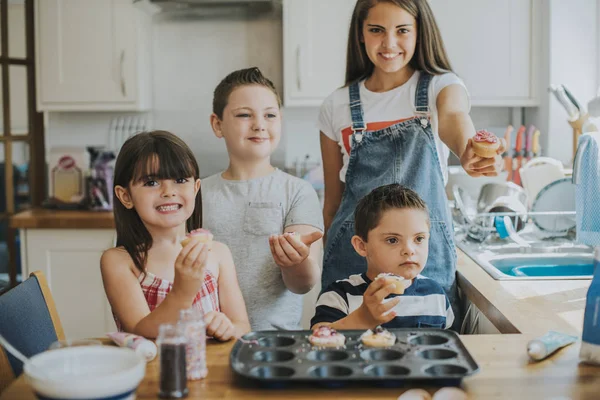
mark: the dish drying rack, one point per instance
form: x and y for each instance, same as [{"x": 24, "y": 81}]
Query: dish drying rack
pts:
[{"x": 484, "y": 224}]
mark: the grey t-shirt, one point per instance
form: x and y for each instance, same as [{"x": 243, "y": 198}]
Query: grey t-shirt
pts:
[{"x": 242, "y": 214}]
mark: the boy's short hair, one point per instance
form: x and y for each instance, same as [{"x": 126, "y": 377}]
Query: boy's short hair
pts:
[
  {"x": 241, "y": 77},
  {"x": 370, "y": 208}
]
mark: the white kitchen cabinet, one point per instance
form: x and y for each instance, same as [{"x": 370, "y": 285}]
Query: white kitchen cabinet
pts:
[
  {"x": 92, "y": 55},
  {"x": 70, "y": 259},
  {"x": 490, "y": 44},
  {"x": 494, "y": 47},
  {"x": 314, "y": 49}
]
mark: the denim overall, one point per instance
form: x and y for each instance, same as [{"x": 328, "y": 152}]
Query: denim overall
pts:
[{"x": 403, "y": 153}]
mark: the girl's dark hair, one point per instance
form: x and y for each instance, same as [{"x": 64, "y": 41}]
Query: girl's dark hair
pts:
[
  {"x": 241, "y": 77},
  {"x": 139, "y": 157},
  {"x": 430, "y": 55},
  {"x": 370, "y": 208}
]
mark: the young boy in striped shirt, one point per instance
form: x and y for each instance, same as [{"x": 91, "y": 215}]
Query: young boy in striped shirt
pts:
[{"x": 392, "y": 233}]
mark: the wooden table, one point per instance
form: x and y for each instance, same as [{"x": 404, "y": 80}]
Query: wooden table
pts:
[{"x": 505, "y": 373}]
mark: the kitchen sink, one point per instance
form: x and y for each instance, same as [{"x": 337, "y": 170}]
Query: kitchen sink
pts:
[{"x": 548, "y": 259}]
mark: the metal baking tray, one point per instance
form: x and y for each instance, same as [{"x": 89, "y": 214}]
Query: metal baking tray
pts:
[{"x": 432, "y": 356}]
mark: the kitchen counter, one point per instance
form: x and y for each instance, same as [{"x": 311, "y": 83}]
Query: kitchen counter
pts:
[
  {"x": 60, "y": 219},
  {"x": 505, "y": 374},
  {"x": 526, "y": 306}
]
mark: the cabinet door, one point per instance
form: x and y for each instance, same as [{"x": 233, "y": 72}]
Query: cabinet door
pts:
[
  {"x": 86, "y": 53},
  {"x": 489, "y": 43},
  {"x": 314, "y": 48},
  {"x": 70, "y": 259}
]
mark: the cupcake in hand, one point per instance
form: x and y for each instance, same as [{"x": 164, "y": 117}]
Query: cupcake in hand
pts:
[
  {"x": 485, "y": 144},
  {"x": 200, "y": 235}
]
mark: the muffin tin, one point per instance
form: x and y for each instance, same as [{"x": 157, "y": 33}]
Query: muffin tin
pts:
[{"x": 434, "y": 356}]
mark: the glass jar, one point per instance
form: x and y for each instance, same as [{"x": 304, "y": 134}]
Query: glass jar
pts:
[
  {"x": 172, "y": 343},
  {"x": 194, "y": 329}
]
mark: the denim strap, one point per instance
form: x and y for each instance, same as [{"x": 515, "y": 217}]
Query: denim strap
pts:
[
  {"x": 421, "y": 95},
  {"x": 356, "y": 110}
]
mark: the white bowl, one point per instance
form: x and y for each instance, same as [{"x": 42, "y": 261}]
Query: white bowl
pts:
[{"x": 88, "y": 372}]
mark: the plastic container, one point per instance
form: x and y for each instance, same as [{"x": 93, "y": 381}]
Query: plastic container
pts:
[{"x": 194, "y": 329}]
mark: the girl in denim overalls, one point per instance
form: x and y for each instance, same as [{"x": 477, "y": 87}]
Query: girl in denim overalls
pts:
[{"x": 393, "y": 121}]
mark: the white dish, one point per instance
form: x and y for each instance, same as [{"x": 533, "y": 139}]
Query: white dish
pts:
[
  {"x": 87, "y": 372},
  {"x": 556, "y": 196}
]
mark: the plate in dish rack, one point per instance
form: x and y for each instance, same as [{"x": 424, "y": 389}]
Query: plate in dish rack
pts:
[{"x": 555, "y": 196}]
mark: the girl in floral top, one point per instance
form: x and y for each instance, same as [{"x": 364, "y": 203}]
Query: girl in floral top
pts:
[{"x": 148, "y": 277}]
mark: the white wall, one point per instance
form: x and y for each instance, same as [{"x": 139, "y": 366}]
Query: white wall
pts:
[{"x": 572, "y": 58}]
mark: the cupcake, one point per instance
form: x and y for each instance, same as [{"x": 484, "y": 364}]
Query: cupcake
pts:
[
  {"x": 325, "y": 336},
  {"x": 201, "y": 235},
  {"x": 391, "y": 279},
  {"x": 378, "y": 338},
  {"x": 485, "y": 144}
]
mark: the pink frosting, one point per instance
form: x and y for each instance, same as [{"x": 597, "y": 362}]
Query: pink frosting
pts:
[
  {"x": 200, "y": 231},
  {"x": 485, "y": 136},
  {"x": 324, "y": 331}
]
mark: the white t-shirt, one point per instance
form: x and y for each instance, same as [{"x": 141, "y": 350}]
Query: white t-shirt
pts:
[{"x": 382, "y": 110}]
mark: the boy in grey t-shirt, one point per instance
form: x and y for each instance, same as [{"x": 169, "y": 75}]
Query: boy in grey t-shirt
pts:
[{"x": 254, "y": 208}]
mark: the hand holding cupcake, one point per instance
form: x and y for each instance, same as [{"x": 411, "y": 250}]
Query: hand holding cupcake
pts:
[{"x": 481, "y": 156}]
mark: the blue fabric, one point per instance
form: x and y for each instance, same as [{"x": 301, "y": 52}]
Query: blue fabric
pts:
[
  {"x": 356, "y": 110},
  {"x": 26, "y": 321},
  {"x": 403, "y": 153},
  {"x": 588, "y": 189}
]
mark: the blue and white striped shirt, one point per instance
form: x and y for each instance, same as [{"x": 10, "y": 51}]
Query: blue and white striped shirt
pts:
[{"x": 424, "y": 304}]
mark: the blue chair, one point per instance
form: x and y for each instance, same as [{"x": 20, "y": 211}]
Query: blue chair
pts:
[{"x": 29, "y": 321}]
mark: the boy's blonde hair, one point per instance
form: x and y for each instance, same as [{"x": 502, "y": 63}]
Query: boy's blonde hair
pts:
[{"x": 241, "y": 77}]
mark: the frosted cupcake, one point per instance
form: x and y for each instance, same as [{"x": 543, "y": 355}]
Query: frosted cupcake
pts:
[
  {"x": 200, "y": 235},
  {"x": 391, "y": 279},
  {"x": 378, "y": 338},
  {"x": 325, "y": 336}
]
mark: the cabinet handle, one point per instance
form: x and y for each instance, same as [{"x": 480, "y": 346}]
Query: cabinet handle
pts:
[
  {"x": 121, "y": 63},
  {"x": 298, "y": 70}
]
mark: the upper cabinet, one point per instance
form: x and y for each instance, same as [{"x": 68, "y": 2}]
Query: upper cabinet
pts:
[
  {"x": 314, "y": 49},
  {"x": 489, "y": 43},
  {"x": 92, "y": 55}
]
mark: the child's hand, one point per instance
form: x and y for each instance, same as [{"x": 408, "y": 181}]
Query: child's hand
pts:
[
  {"x": 288, "y": 250},
  {"x": 373, "y": 311},
  {"x": 189, "y": 269},
  {"x": 219, "y": 326},
  {"x": 478, "y": 166}
]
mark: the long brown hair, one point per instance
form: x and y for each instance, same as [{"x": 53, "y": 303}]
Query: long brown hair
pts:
[
  {"x": 430, "y": 55},
  {"x": 137, "y": 159}
]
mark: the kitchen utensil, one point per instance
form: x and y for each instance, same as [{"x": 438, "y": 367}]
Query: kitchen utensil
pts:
[
  {"x": 88, "y": 372},
  {"x": 572, "y": 99},
  {"x": 505, "y": 228},
  {"x": 490, "y": 192},
  {"x": 508, "y": 204},
  {"x": 507, "y": 156},
  {"x": 20, "y": 356},
  {"x": 538, "y": 173},
  {"x": 573, "y": 112},
  {"x": 429, "y": 356},
  {"x": 529, "y": 143},
  {"x": 518, "y": 157},
  {"x": 536, "y": 143},
  {"x": 556, "y": 196}
]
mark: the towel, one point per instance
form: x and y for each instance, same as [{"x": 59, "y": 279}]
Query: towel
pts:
[{"x": 588, "y": 189}]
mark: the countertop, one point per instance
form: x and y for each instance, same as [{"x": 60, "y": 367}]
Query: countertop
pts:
[
  {"x": 59, "y": 219},
  {"x": 505, "y": 373}
]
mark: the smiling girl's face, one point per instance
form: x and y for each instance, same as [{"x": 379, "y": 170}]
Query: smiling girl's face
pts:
[{"x": 390, "y": 37}]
